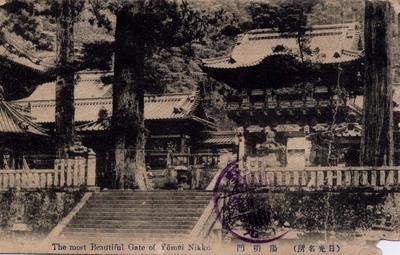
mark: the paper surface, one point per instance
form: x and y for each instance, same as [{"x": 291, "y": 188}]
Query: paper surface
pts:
[{"x": 199, "y": 127}]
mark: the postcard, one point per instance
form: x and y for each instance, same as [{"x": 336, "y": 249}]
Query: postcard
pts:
[{"x": 199, "y": 127}]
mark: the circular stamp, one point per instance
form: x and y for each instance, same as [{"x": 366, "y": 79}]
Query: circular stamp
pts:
[{"x": 245, "y": 207}]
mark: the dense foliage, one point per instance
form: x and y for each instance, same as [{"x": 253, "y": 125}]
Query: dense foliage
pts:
[
  {"x": 41, "y": 210},
  {"x": 268, "y": 214},
  {"x": 209, "y": 30}
]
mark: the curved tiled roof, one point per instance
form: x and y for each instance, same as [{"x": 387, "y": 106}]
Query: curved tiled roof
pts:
[
  {"x": 220, "y": 138},
  {"x": 92, "y": 96},
  {"x": 170, "y": 106},
  {"x": 98, "y": 125},
  {"x": 87, "y": 109},
  {"x": 13, "y": 50},
  {"x": 88, "y": 85},
  {"x": 156, "y": 107},
  {"x": 15, "y": 123},
  {"x": 330, "y": 43}
]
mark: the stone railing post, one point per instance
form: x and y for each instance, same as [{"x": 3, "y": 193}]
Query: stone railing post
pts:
[
  {"x": 91, "y": 170},
  {"x": 196, "y": 177},
  {"x": 240, "y": 141}
]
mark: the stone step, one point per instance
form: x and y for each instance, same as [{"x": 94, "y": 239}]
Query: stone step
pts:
[
  {"x": 135, "y": 214},
  {"x": 158, "y": 194},
  {"x": 141, "y": 211},
  {"x": 164, "y": 204},
  {"x": 164, "y": 197},
  {"x": 147, "y": 214},
  {"x": 152, "y": 199},
  {"x": 126, "y": 231},
  {"x": 133, "y": 225},
  {"x": 96, "y": 205},
  {"x": 154, "y": 193},
  {"x": 136, "y": 220},
  {"x": 78, "y": 236},
  {"x": 115, "y": 219}
]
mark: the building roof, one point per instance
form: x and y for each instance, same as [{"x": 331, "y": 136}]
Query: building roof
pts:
[
  {"x": 336, "y": 43},
  {"x": 12, "y": 49},
  {"x": 220, "y": 138},
  {"x": 96, "y": 125},
  {"x": 170, "y": 106},
  {"x": 89, "y": 85},
  {"x": 93, "y": 95},
  {"x": 14, "y": 123}
]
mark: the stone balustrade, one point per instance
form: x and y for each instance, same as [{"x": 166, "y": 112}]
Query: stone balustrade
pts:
[
  {"x": 67, "y": 173},
  {"x": 325, "y": 177}
]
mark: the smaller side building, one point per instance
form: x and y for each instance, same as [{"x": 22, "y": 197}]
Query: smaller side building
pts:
[
  {"x": 21, "y": 140},
  {"x": 177, "y": 123}
]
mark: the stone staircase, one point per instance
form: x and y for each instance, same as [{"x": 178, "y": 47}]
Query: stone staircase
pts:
[{"x": 138, "y": 215}]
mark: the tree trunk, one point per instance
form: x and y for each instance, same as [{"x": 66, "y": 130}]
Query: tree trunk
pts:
[
  {"x": 128, "y": 101},
  {"x": 300, "y": 34},
  {"x": 377, "y": 139},
  {"x": 65, "y": 109}
]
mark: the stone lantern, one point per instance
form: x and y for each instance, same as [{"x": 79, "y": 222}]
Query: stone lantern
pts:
[{"x": 18, "y": 227}]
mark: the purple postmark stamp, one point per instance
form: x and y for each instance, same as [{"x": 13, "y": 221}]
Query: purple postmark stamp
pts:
[{"x": 245, "y": 207}]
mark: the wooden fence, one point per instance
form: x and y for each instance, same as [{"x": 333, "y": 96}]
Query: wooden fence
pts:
[
  {"x": 326, "y": 177},
  {"x": 73, "y": 173}
]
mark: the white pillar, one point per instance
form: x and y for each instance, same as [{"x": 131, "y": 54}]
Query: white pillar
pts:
[{"x": 91, "y": 169}]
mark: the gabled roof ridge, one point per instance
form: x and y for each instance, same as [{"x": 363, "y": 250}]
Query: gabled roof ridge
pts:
[
  {"x": 179, "y": 106},
  {"x": 257, "y": 45}
]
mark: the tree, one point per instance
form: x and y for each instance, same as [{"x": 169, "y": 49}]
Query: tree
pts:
[
  {"x": 287, "y": 17},
  {"x": 142, "y": 28},
  {"x": 21, "y": 33},
  {"x": 128, "y": 98},
  {"x": 377, "y": 138},
  {"x": 65, "y": 108},
  {"x": 22, "y": 20}
]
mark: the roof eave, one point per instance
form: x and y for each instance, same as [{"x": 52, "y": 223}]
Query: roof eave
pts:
[{"x": 257, "y": 63}]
